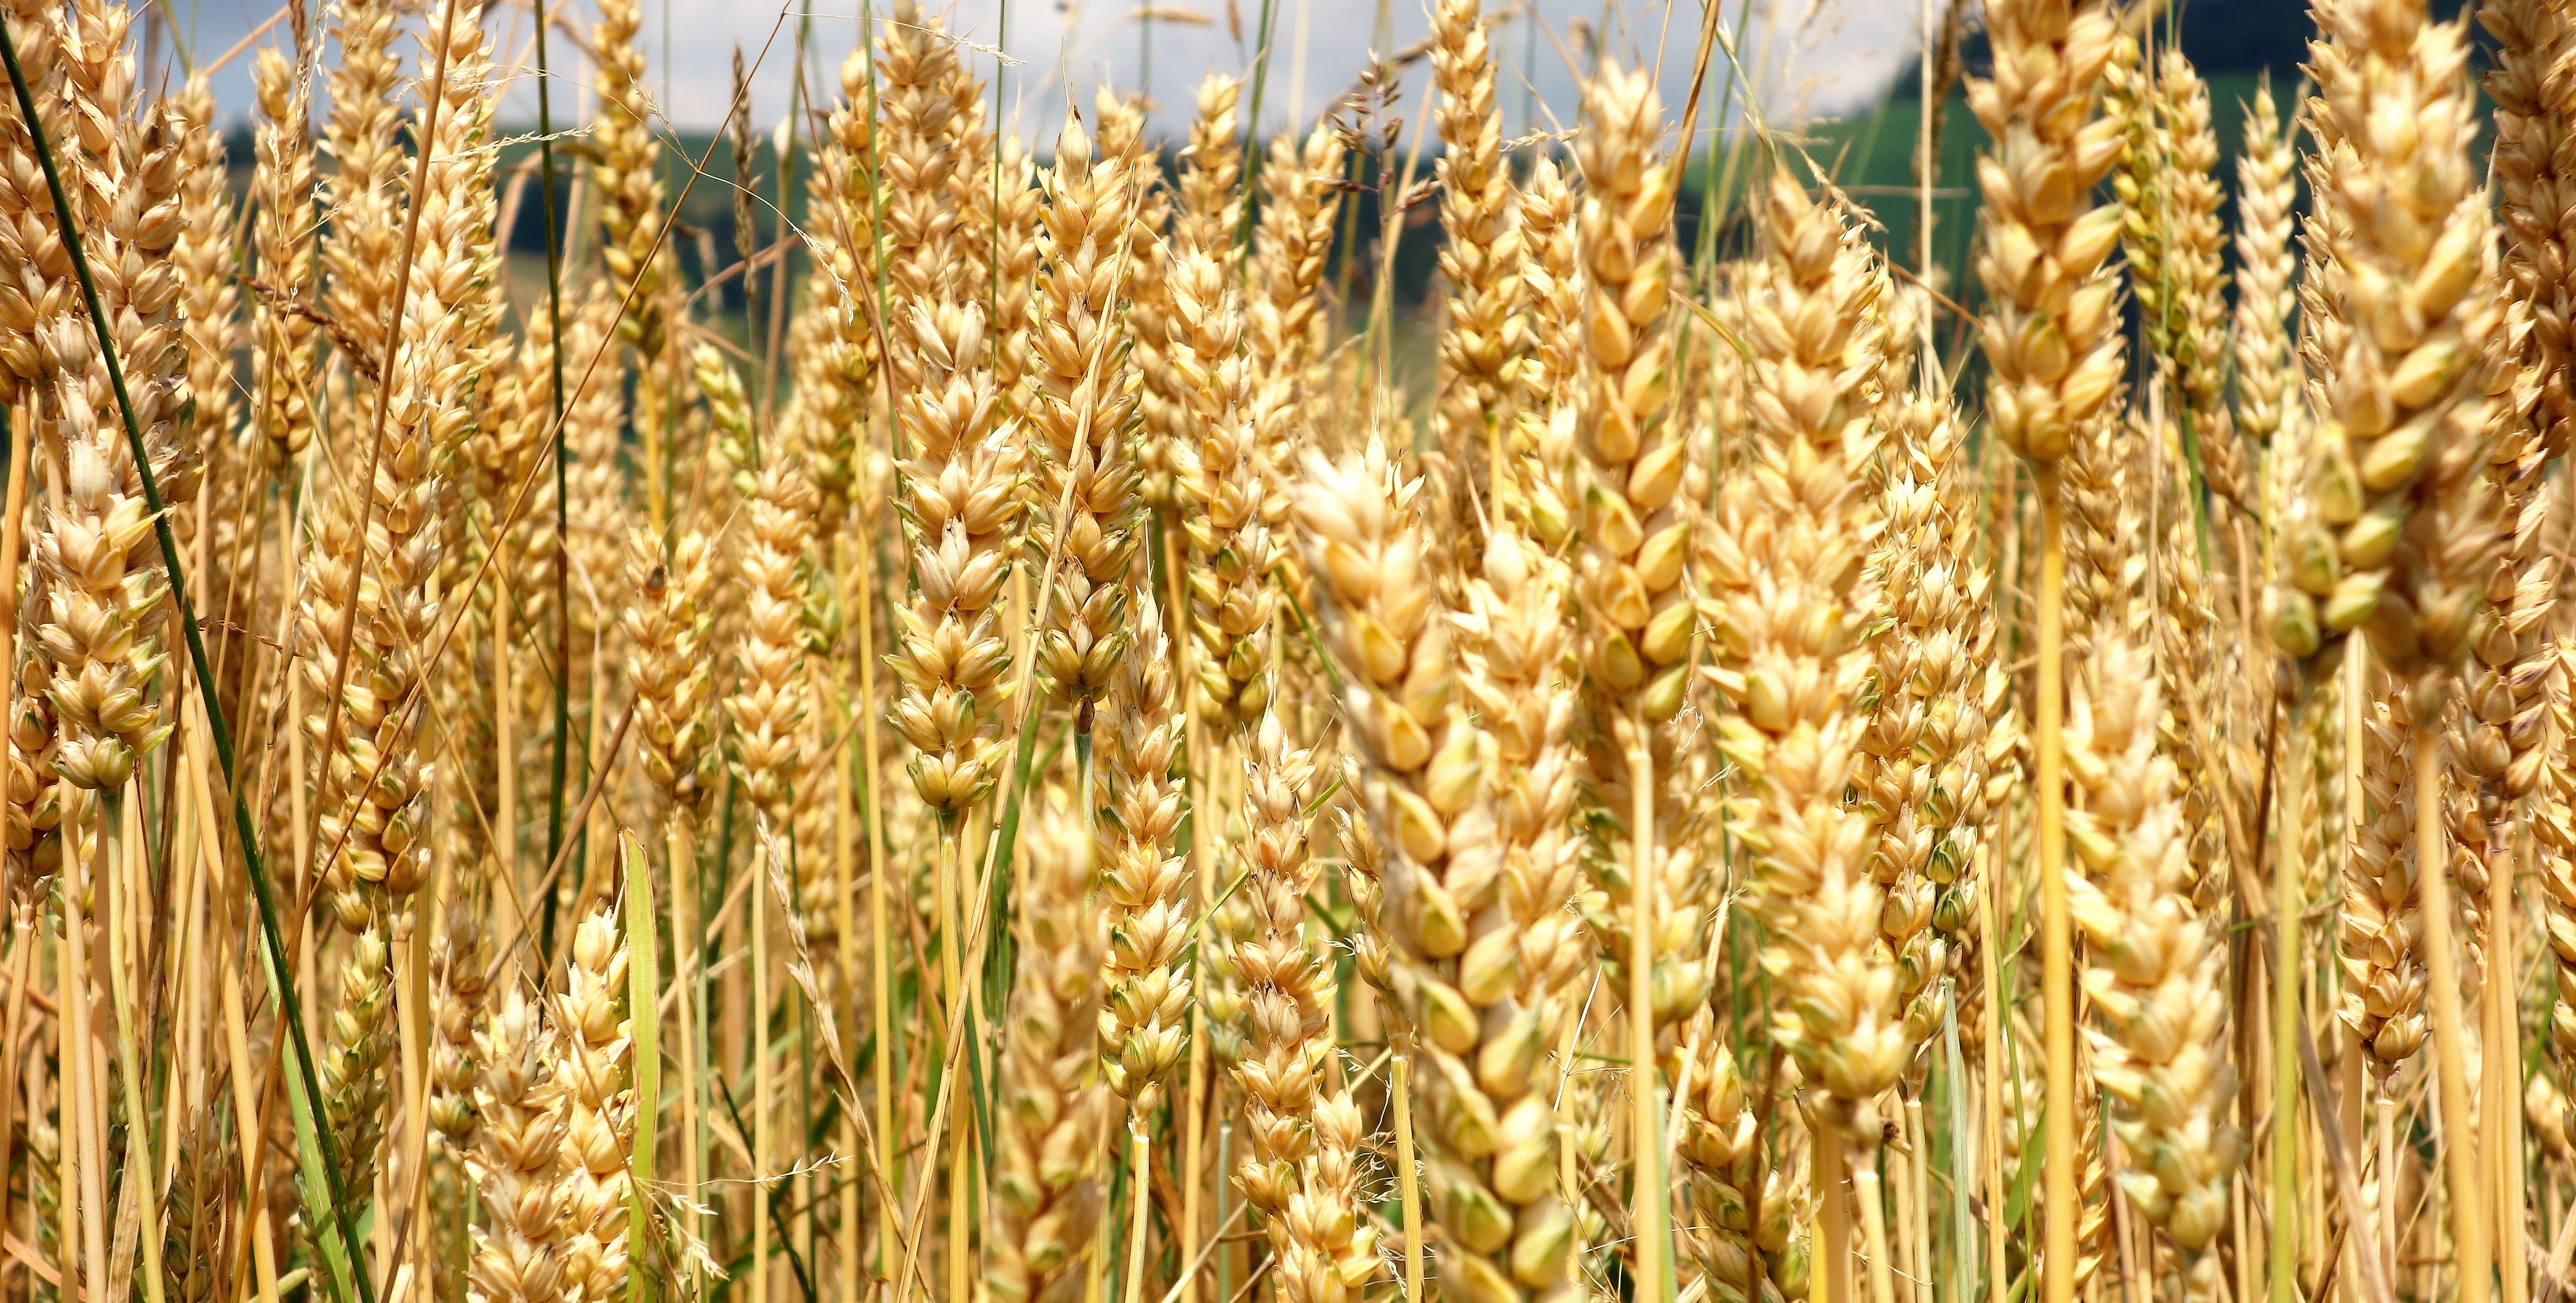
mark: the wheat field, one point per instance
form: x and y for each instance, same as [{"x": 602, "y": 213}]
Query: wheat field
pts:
[{"x": 993, "y": 745}]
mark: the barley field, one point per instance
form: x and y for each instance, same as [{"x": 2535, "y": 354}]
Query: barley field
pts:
[{"x": 1042, "y": 730}]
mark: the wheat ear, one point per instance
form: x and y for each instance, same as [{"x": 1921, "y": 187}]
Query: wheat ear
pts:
[
  {"x": 594, "y": 1107},
  {"x": 2267, "y": 186},
  {"x": 1486, "y": 331},
  {"x": 1218, "y": 463},
  {"x": 772, "y": 695},
  {"x": 517, "y": 1162},
  {"x": 1083, "y": 403},
  {"x": 1145, "y": 884},
  {"x": 1046, "y": 1179},
  {"x": 2153, "y": 964}
]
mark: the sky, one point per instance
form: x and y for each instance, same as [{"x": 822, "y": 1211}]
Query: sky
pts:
[{"x": 1821, "y": 56}]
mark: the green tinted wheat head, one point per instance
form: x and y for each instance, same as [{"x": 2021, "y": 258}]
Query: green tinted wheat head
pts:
[
  {"x": 2401, "y": 396},
  {"x": 353, "y": 1058},
  {"x": 1551, "y": 288},
  {"x": 460, "y": 975},
  {"x": 1046, "y": 1190},
  {"x": 1722, "y": 1153},
  {"x": 1489, "y": 1076},
  {"x": 2177, "y": 266}
]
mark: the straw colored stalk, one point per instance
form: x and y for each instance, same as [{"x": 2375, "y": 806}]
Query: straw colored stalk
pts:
[
  {"x": 1218, "y": 461},
  {"x": 2154, "y": 967},
  {"x": 1485, "y": 331},
  {"x": 1084, "y": 399},
  {"x": 1046, "y": 1180}
]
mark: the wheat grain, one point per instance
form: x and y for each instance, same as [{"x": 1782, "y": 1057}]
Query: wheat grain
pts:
[{"x": 1144, "y": 883}]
